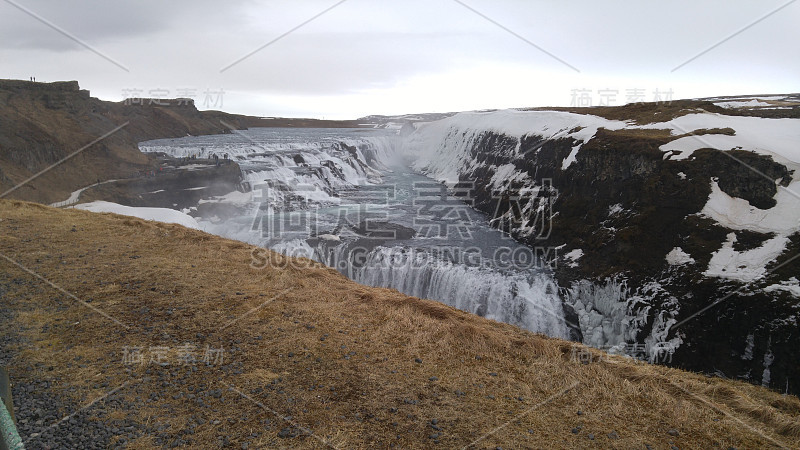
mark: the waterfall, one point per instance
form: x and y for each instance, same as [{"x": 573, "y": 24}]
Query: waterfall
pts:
[
  {"x": 285, "y": 166},
  {"x": 528, "y": 300},
  {"x": 314, "y": 175}
]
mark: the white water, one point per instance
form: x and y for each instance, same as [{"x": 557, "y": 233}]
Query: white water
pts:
[
  {"x": 313, "y": 165},
  {"x": 527, "y": 300},
  {"x": 609, "y": 316},
  {"x": 321, "y": 172}
]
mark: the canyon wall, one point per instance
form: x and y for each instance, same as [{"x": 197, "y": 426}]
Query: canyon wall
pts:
[{"x": 674, "y": 234}]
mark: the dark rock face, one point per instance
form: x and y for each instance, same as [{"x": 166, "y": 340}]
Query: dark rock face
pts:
[
  {"x": 743, "y": 174},
  {"x": 626, "y": 207},
  {"x": 173, "y": 188}
]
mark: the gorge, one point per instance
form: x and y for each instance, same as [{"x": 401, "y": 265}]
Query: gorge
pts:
[
  {"x": 666, "y": 232},
  {"x": 669, "y": 239}
]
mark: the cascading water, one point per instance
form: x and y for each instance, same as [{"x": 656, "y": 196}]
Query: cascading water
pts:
[
  {"x": 527, "y": 300},
  {"x": 315, "y": 196}
]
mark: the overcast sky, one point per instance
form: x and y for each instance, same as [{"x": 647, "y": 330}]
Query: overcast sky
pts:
[{"x": 389, "y": 57}]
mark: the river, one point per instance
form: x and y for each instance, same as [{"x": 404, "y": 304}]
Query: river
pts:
[{"x": 344, "y": 197}]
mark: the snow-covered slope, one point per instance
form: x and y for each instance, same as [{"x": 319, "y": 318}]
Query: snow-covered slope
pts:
[
  {"x": 443, "y": 149},
  {"x": 165, "y": 215},
  {"x": 775, "y": 137}
]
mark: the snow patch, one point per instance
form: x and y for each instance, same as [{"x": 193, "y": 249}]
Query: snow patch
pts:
[
  {"x": 738, "y": 214},
  {"x": 505, "y": 174},
  {"x": 769, "y": 358},
  {"x": 164, "y": 215},
  {"x": 791, "y": 286},
  {"x": 615, "y": 209},
  {"x": 745, "y": 266},
  {"x": 747, "y": 104},
  {"x": 748, "y": 350},
  {"x": 573, "y": 257},
  {"x": 678, "y": 257},
  {"x": 775, "y": 137},
  {"x": 572, "y": 157},
  {"x": 748, "y": 97}
]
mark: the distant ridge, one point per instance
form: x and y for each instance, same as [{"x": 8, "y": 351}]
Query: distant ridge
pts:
[{"x": 42, "y": 123}]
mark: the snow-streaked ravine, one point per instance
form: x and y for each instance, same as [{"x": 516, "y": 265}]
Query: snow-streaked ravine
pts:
[
  {"x": 610, "y": 314},
  {"x": 444, "y": 150}
]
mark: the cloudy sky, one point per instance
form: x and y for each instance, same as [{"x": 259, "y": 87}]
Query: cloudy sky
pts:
[{"x": 347, "y": 59}]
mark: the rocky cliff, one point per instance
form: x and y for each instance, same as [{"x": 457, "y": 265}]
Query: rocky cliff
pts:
[{"x": 674, "y": 231}]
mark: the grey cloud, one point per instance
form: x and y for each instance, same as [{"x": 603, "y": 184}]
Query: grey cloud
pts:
[
  {"x": 97, "y": 22},
  {"x": 366, "y": 46}
]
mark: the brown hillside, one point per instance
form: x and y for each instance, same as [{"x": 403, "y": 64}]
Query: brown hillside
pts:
[
  {"x": 312, "y": 359},
  {"x": 42, "y": 123},
  {"x": 653, "y": 112}
]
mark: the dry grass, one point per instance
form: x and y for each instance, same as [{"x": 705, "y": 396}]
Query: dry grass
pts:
[
  {"x": 665, "y": 135},
  {"x": 641, "y": 113},
  {"x": 171, "y": 285}
]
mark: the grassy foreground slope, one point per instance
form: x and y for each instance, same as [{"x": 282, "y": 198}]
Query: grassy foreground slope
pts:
[{"x": 312, "y": 359}]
